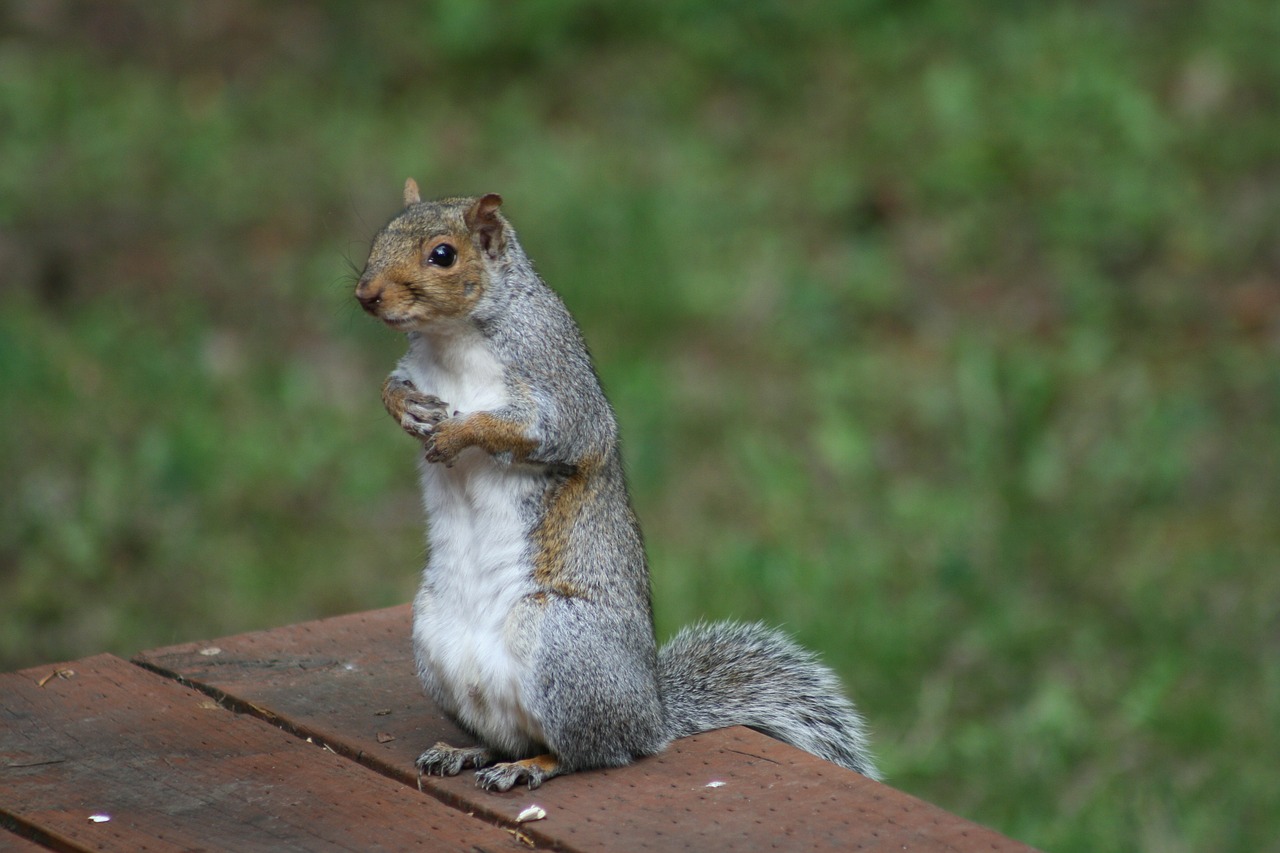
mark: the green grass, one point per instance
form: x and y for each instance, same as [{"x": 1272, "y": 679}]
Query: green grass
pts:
[{"x": 948, "y": 339}]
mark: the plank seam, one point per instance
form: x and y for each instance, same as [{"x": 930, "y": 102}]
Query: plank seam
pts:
[
  {"x": 302, "y": 732},
  {"x": 27, "y": 831}
]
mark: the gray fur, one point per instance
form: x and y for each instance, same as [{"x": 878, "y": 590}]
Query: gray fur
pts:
[
  {"x": 729, "y": 674},
  {"x": 598, "y": 687}
]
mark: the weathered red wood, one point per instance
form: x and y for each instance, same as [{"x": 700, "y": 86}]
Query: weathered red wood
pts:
[
  {"x": 172, "y": 769},
  {"x": 11, "y": 843},
  {"x": 349, "y": 683}
]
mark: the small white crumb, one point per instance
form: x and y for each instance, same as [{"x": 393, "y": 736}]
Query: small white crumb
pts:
[
  {"x": 211, "y": 651},
  {"x": 99, "y": 818},
  {"x": 715, "y": 785},
  {"x": 531, "y": 813}
]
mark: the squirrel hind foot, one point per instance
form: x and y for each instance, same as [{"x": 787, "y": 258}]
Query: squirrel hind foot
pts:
[
  {"x": 445, "y": 760},
  {"x": 505, "y": 776}
]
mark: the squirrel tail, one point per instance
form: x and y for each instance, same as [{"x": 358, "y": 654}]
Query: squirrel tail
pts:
[{"x": 730, "y": 674}]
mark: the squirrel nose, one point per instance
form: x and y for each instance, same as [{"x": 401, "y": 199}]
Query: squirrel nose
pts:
[{"x": 368, "y": 298}]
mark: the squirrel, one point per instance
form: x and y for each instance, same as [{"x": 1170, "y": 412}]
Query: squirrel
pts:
[{"x": 533, "y": 625}]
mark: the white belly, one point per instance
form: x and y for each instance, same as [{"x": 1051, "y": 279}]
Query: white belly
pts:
[
  {"x": 480, "y": 562},
  {"x": 479, "y": 569}
]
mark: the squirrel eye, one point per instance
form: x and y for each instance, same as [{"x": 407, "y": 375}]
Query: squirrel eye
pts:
[{"x": 443, "y": 255}]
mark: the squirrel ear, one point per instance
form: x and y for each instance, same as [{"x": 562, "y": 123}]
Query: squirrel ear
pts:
[
  {"x": 411, "y": 194},
  {"x": 483, "y": 220}
]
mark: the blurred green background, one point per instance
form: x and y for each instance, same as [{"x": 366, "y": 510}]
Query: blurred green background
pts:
[{"x": 945, "y": 335}]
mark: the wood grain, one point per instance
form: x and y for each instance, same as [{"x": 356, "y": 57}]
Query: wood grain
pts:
[
  {"x": 349, "y": 682},
  {"x": 170, "y": 769}
]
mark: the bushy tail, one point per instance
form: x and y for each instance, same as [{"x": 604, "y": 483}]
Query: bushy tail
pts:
[{"x": 729, "y": 674}]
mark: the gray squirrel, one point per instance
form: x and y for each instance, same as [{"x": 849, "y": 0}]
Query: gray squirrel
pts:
[{"x": 533, "y": 625}]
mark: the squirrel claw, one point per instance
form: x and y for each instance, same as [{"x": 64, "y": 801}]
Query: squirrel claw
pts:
[
  {"x": 435, "y": 454},
  {"x": 506, "y": 775},
  {"x": 503, "y": 777},
  {"x": 442, "y": 445},
  {"x": 445, "y": 760},
  {"x": 422, "y": 414}
]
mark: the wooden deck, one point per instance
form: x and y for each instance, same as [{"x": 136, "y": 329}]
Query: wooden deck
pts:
[{"x": 303, "y": 738}]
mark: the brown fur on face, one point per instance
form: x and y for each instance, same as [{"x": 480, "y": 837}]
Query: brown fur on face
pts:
[{"x": 404, "y": 287}]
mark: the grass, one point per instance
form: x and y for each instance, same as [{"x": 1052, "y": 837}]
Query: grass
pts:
[{"x": 946, "y": 338}]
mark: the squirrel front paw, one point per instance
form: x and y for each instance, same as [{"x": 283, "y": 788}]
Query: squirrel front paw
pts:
[
  {"x": 416, "y": 412},
  {"x": 422, "y": 414},
  {"x": 445, "y": 441}
]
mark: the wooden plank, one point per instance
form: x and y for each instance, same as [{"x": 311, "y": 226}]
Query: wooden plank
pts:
[
  {"x": 101, "y": 754},
  {"x": 10, "y": 842},
  {"x": 349, "y": 682}
]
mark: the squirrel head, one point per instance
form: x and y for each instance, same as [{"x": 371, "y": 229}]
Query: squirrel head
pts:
[{"x": 432, "y": 262}]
